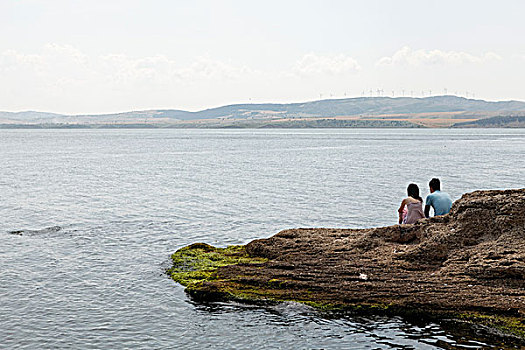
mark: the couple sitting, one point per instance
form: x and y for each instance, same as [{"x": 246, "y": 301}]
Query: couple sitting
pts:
[{"x": 411, "y": 209}]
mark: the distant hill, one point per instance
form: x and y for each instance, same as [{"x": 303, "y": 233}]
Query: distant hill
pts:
[
  {"x": 359, "y": 106},
  {"x": 494, "y": 122},
  {"x": 28, "y": 116},
  {"x": 443, "y": 109},
  {"x": 134, "y": 116}
]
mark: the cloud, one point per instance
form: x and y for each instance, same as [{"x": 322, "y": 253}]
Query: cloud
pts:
[
  {"x": 421, "y": 57},
  {"x": 53, "y": 56},
  {"x": 207, "y": 68},
  {"x": 162, "y": 69},
  {"x": 314, "y": 64},
  {"x": 11, "y": 58},
  {"x": 66, "y": 51},
  {"x": 124, "y": 70},
  {"x": 59, "y": 69},
  {"x": 519, "y": 57},
  {"x": 62, "y": 75},
  {"x": 56, "y": 65}
]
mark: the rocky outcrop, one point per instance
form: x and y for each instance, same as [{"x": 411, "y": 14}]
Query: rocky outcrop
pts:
[{"x": 468, "y": 264}]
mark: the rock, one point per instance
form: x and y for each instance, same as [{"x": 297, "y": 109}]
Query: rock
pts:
[
  {"x": 469, "y": 265},
  {"x": 46, "y": 230}
]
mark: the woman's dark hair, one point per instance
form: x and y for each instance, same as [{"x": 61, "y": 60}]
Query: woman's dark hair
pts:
[{"x": 413, "y": 191}]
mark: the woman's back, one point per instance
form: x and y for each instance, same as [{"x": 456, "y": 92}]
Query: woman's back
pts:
[
  {"x": 414, "y": 212},
  {"x": 411, "y": 209}
]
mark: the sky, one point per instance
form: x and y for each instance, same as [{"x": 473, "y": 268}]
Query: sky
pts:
[{"x": 105, "y": 56}]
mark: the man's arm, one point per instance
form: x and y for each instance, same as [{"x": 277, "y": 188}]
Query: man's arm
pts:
[{"x": 428, "y": 204}]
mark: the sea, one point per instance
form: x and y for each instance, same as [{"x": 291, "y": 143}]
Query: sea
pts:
[{"x": 89, "y": 218}]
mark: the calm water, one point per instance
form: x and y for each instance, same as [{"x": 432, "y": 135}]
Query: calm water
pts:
[{"x": 103, "y": 210}]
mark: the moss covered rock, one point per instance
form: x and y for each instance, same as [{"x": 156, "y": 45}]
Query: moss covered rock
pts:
[{"x": 468, "y": 265}]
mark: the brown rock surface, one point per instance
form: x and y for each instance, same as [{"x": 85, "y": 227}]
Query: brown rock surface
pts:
[{"x": 471, "y": 260}]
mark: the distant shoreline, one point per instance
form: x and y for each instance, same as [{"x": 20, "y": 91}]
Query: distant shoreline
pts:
[
  {"x": 518, "y": 125},
  {"x": 364, "y": 112}
]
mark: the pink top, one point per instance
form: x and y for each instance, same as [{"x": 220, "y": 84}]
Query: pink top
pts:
[{"x": 414, "y": 212}]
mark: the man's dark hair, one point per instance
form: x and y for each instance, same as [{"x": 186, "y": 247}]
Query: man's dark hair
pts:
[{"x": 435, "y": 184}]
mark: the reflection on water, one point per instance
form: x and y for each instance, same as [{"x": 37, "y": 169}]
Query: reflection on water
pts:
[
  {"x": 343, "y": 330},
  {"x": 90, "y": 217}
]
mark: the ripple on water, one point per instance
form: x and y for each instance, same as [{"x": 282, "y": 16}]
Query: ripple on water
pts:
[{"x": 83, "y": 244}]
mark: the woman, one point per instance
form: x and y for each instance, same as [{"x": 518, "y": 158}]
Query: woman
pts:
[{"x": 411, "y": 209}]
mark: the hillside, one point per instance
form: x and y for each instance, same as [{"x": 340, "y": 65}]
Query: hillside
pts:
[
  {"x": 437, "y": 111},
  {"x": 360, "y": 106},
  {"x": 510, "y": 121}
]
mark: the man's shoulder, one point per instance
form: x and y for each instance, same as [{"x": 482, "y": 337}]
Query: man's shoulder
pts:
[
  {"x": 445, "y": 194},
  {"x": 430, "y": 198}
]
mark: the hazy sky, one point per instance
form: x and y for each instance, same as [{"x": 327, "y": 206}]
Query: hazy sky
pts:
[{"x": 97, "y": 56}]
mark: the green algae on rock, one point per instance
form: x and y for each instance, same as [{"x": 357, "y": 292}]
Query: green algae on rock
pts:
[
  {"x": 198, "y": 262},
  {"x": 505, "y": 324},
  {"x": 468, "y": 266}
]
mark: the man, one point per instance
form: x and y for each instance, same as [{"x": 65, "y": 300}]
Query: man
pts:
[{"x": 439, "y": 201}]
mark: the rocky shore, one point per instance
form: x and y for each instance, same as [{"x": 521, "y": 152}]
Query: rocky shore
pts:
[{"x": 468, "y": 266}]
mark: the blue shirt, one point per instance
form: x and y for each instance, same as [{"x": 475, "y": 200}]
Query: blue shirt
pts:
[{"x": 440, "y": 201}]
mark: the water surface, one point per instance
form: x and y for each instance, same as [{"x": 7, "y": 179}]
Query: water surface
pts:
[{"x": 101, "y": 211}]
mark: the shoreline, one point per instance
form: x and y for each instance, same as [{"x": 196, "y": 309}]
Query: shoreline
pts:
[{"x": 464, "y": 267}]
